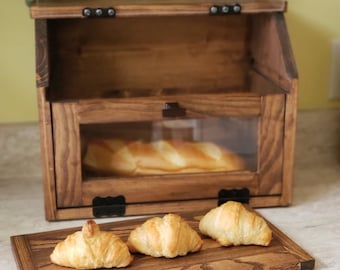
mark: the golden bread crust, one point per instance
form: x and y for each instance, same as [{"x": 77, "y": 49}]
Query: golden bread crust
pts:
[
  {"x": 232, "y": 224},
  {"x": 129, "y": 158},
  {"x": 91, "y": 248},
  {"x": 169, "y": 237}
]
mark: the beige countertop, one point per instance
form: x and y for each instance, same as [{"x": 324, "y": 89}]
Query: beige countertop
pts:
[{"x": 312, "y": 221}]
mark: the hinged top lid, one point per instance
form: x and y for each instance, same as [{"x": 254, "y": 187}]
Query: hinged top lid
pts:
[{"x": 75, "y": 8}]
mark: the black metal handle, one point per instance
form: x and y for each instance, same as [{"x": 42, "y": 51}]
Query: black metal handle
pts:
[
  {"x": 108, "y": 206},
  {"x": 173, "y": 109},
  {"x": 240, "y": 195}
]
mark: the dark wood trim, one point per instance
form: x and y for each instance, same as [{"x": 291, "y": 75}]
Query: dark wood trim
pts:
[
  {"x": 73, "y": 9},
  {"x": 42, "y": 55}
]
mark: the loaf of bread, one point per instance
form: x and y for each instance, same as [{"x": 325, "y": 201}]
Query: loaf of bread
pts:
[
  {"x": 169, "y": 237},
  {"x": 129, "y": 158},
  {"x": 91, "y": 248},
  {"x": 232, "y": 224}
]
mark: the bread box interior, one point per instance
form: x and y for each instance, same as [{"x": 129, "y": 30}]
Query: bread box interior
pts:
[{"x": 138, "y": 107}]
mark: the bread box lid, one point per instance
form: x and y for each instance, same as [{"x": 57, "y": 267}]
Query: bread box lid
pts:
[{"x": 48, "y": 9}]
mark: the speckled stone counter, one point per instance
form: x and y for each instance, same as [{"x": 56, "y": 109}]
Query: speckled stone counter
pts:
[{"x": 312, "y": 221}]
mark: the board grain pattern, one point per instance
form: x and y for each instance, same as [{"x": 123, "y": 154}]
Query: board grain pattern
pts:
[{"x": 32, "y": 251}]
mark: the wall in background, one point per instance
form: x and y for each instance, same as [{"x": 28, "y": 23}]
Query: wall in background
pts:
[
  {"x": 312, "y": 25},
  {"x": 17, "y": 71}
]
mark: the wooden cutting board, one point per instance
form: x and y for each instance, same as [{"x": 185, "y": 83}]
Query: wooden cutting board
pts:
[{"x": 32, "y": 251}]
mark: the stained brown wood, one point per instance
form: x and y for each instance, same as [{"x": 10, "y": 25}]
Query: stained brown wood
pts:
[
  {"x": 80, "y": 191},
  {"x": 289, "y": 145},
  {"x": 47, "y": 154},
  {"x": 141, "y": 109},
  {"x": 168, "y": 188},
  {"x": 67, "y": 155},
  {"x": 73, "y": 9},
  {"x": 274, "y": 58},
  {"x": 141, "y": 57},
  {"x": 42, "y": 55},
  {"x": 107, "y": 78},
  {"x": 152, "y": 208},
  {"x": 271, "y": 144},
  {"x": 32, "y": 251}
]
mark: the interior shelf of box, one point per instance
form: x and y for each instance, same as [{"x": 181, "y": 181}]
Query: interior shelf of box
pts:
[{"x": 75, "y": 8}]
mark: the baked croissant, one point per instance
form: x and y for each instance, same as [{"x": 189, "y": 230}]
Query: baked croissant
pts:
[
  {"x": 129, "y": 158},
  {"x": 232, "y": 224},
  {"x": 168, "y": 237},
  {"x": 91, "y": 248}
]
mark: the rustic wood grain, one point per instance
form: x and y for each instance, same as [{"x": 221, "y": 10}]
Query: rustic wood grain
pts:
[
  {"x": 271, "y": 49},
  {"x": 168, "y": 188},
  {"x": 47, "y": 153},
  {"x": 22, "y": 251},
  {"x": 139, "y": 56},
  {"x": 275, "y": 60},
  {"x": 271, "y": 144},
  {"x": 68, "y": 116},
  {"x": 152, "y": 208},
  {"x": 73, "y": 9},
  {"x": 289, "y": 145},
  {"x": 282, "y": 253},
  {"x": 42, "y": 55},
  {"x": 150, "y": 109},
  {"x": 108, "y": 71},
  {"x": 67, "y": 155}
]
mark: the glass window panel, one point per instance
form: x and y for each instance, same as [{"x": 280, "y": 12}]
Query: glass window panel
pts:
[{"x": 169, "y": 146}]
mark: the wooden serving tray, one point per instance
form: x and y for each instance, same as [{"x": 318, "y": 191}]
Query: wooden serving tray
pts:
[{"x": 32, "y": 251}]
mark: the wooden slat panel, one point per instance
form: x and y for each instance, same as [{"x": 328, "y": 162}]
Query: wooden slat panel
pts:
[
  {"x": 168, "y": 188},
  {"x": 42, "y": 57},
  {"x": 73, "y": 9},
  {"x": 22, "y": 252},
  {"x": 165, "y": 207},
  {"x": 289, "y": 145},
  {"x": 139, "y": 109},
  {"x": 193, "y": 53},
  {"x": 271, "y": 144},
  {"x": 47, "y": 154},
  {"x": 67, "y": 154}
]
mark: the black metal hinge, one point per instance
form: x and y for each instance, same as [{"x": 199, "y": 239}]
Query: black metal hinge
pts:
[
  {"x": 239, "y": 195},
  {"x": 108, "y": 206},
  {"x": 99, "y": 12},
  {"x": 225, "y": 9}
]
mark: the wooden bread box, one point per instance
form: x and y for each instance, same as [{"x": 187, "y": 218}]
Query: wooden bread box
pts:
[{"x": 211, "y": 73}]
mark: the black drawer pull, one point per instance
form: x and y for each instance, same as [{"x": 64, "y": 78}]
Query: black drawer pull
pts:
[
  {"x": 108, "y": 206},
  {"x": 172, "y": 109}
]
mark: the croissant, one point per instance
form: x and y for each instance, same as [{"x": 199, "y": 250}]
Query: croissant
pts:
[
  {"x": 232, "y": 224},
  {"x": 91, "y": 248},
  {"x": 168, "y": 237},
  {"x": 130, "y": 158}
]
